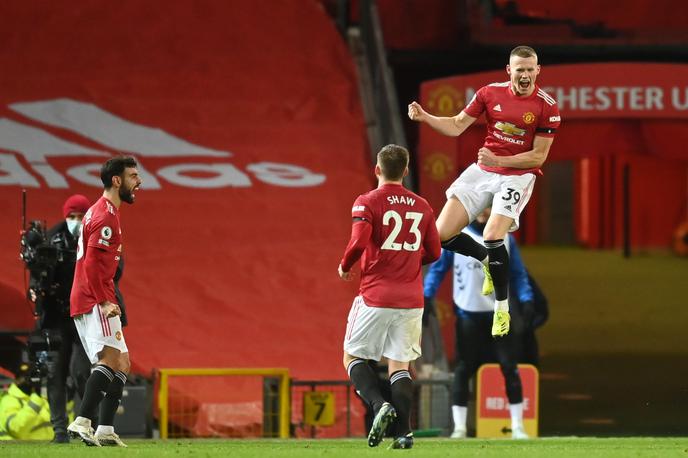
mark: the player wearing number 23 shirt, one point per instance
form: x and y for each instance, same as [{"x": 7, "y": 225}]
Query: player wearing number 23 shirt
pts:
[{"x": 393, "y": 234}]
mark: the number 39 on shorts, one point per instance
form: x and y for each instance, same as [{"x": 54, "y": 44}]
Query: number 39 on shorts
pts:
[
  {"x": 394, "y": 219},
  {"x": 512, "y": 194}
]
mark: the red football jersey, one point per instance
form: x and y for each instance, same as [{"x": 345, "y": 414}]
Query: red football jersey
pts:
[
  {"x": 97, "y": 256},
  {"x": 402, "y": 238},
  {"x": 513, "y": 121}
]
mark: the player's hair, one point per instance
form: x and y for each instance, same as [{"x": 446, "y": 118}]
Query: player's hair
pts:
[
  {"x": 115, "y": 168},
  {"x": 393, "y": 160},
  {"x": 523, "y": 51}
]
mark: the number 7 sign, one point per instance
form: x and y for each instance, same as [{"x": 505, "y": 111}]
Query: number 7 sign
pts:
[{"x": 318, "y": 408}]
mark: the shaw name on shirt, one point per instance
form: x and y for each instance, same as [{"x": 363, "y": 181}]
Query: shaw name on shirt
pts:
[{"x": 401, "y": 200}]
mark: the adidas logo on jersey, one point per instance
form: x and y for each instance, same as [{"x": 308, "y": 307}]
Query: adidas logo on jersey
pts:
[
  {"x": 498, "y": 107},
  {"x": 507, "y": 207}
]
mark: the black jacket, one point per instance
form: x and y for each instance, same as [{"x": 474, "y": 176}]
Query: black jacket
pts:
[{"x": 54, "y": 286}]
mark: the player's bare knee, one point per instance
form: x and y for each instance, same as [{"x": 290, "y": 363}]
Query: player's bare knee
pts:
[
  {"x": 493, "y": 235},
  {"x": 446, "y": 234},
  {"x": 394, "y": 366},
  {"x": 447, "y": 229},
  {"x": 497, "y": 227},
  {"x": 452, "y": 219},
  {"x": 109, "y": 357},
  {"x": 346, "y": 360},
  {"x": 109, "y": 362},
  {"x": 124, "y": 365}
]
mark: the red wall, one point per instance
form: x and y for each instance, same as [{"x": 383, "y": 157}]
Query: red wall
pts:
[{"x": 657, "y": 195}]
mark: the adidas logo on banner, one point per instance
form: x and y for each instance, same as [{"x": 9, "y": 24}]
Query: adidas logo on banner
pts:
[
  {"x": 498, "y": 107},
  {"x": 36, "y": 144}
]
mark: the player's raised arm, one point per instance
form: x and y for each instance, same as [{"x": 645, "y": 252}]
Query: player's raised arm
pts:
[{"x": 452, "y": 126}]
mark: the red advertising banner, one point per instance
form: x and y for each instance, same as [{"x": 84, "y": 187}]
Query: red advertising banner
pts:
[
  {"x": 492, "y": 414},
  {"x": 248, "y": 173},
  {"x": 605, "y": 90},
  {"x": 248, "y": 177}
]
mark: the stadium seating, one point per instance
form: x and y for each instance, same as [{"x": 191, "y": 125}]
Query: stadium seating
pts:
[
  {"x": 246, "y": 120},
  {"x": 447, "y": 24}
]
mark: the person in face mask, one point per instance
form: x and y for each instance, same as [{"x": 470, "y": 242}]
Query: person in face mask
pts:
[{"x": 68, "y": 367}]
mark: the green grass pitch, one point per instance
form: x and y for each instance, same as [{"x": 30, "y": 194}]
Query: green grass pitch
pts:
[{"x": 348, "y": 448}]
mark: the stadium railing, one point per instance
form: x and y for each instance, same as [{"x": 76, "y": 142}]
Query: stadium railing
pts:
[
  {"x": 195, "y": 387},
  {"x": 265, "y": 402}
]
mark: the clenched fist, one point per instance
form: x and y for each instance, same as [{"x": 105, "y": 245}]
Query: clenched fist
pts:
[
  {"x": 487, "y": 158},
  {"x": 416, "y": 112}
]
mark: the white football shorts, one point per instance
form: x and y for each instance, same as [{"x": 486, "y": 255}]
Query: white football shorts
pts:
[
  {"x": 374, "y": 332},
  {"x": 97, "y": 331},
  {"x": 476, "y": 189}
]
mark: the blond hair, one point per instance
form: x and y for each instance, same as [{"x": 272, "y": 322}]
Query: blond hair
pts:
[{"x": 523, "y": 51}]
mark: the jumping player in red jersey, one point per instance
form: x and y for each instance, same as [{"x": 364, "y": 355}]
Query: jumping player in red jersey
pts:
[
  {"x": 93, "y": 303},
  {"x": 521, "y": 122},
  {"x": 394, "y": 234}
]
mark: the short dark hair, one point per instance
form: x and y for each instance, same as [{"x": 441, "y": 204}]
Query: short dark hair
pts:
[
  {"x": 393, "y": 160},
  {"x": 523, "y": 51},
  {"x": 115, "y": 167}
]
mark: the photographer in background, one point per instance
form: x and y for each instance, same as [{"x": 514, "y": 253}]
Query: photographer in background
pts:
[{"x": 50, "y": 287}]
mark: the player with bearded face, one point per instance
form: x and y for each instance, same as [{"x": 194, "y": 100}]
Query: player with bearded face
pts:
[{"x": 94, "y": 305}]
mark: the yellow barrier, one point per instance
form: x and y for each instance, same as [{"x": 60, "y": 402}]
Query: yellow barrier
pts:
[{"x": 283, "y": 374}]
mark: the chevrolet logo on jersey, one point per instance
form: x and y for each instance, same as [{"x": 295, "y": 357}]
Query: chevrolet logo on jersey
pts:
[{"x": 509, "y": 128}]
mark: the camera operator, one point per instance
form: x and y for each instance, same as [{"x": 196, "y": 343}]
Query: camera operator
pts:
[{"x": 50, "y": 288}]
